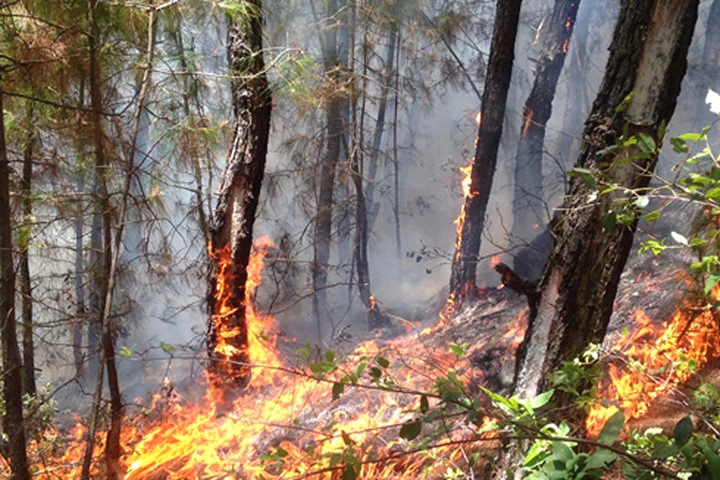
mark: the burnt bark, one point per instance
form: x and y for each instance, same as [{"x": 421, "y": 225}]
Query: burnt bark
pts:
[
  {"x": 335, "y": 104},
  {"x": 28, "y": 351},
  {"x": 529, "y": 209},
  {"x": 497, "y": 82},
  {"x": 648, "y": 58},
  {"x": 231, "y": 232},
  {"x": 13, "y": 422}
]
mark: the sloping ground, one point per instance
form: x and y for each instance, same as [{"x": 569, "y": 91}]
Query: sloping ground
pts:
[{"x": 313, "y": 418}]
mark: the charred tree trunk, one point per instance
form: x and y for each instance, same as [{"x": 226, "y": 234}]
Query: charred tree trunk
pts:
[
  {"x": 472, "y": 215},
  {"x": 28, "y": 353},
  {"x": 232, "y": 230},
  {"x": 529, "y": 209},
  {"x": 647, "y": 59},
  {"x": 13, "y": 424},
  {"x": 335, "y": 129}
]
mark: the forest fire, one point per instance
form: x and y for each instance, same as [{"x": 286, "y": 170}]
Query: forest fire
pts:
[
  {"x": 654, "y": 361},
  {"x": 295, "y": 419}
]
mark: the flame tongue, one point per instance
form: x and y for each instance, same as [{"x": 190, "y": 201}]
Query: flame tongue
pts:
[{"x": 656, "y": 355}]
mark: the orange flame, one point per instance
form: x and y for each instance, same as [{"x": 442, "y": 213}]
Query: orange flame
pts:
[{"x": 653, "y": 355}]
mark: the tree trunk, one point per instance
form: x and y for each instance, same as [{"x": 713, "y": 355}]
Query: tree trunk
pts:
[
  {"x": 80, "y": 312},
  {"x": 529, "y": 208},
  {"x": 576, "y": 89},
  {"x": 472, "y": 215},
  {"x": 388, "y": 77},
  {"x": 232, "y": 230},
  {"x": 13, "y": 424},
  {"x": 105, "y": 278},
  {"x": 28, "y": 352},
  {"x": 335, "y": 129},
  {"x": 647, "y": 58}
]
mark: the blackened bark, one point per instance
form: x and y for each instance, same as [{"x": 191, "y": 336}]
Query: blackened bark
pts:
[
  {"x": 232, "y": 230},
  {"x": 497, "y": 82},
  {"x": 13, "y": 424},
  {"x": 648, "y": 58},
  {"x": 334, "y": 106},
  {"x": 28, "y": 351},
  {"x": 529, "y": 209}
]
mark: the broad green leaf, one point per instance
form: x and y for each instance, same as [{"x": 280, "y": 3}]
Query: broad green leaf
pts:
[
  {"x": 652, "y": 216},
  {"x": 610, "y": 221},
  {"x": 646, "y": 142},
  {"x": 541, "y": 399},
  {"x": 679, "y": 145},
  {"x": 349, "y": 473},
  {"x": 612, "y": 428},
  {"x": 424, "y": 404},
  {"x": 562, "y": 452},
  {"x": 692, "y": 137},
  {"x": 683, "y": 431},
  {"x": 712, "y": 280},
  {"x": 383, "y": 362},
  {"x": 410, "y": 430},
  {"x": 713, "y": 194},
  {"x": 602, "y": 458},
  {"x": 337, "y": 389}
]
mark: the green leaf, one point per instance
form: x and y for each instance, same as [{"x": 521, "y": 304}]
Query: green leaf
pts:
[
  {"x": 337, "y": 390},
  {"x": 713, "y": 194},
  {"x": 541, "y": 399},
  {"x": 126, "y": 351},
  {"x": 167, "y": 348},
  {"x": 330, "y": 356},
  {"x": 601, "y": 459},
  {"x": 610, "y": 221},
  {"x": 383, "y": 362},
  {"x": 712, "y": 280},
  {"x": 562, "y": 452},
  {"x": 692, "y": 137},
  {"x": 679, "y": 145},
  {"x": 612, "y": 428},
  {"x": 410, "y": 430},
  {"x": 646, "y": 142},
  {"x": 625, "y": 103},
  {"x": 424, "y": 404},
  {"x": 652, "y": 216},
  {"x": 349, "y": 473},
  {"x": 683, "y": 431}
]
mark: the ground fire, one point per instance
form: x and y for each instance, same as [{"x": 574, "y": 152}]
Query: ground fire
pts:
[{"x": 309, "y": 418}]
